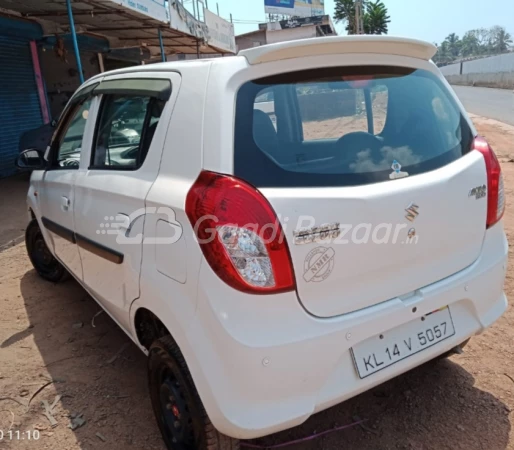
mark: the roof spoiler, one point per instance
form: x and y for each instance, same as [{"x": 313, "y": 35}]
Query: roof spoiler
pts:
[{"x": 385, "y": 45}]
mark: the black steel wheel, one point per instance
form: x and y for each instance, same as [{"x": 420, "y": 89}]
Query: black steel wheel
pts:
[
  {"x": 178, "y": 409},
  {"x": 44, "y": 262}
]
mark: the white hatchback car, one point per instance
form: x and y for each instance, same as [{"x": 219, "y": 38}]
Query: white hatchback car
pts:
[{"x": 278, "y": 231}]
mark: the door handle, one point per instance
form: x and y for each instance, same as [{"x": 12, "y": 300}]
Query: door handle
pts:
[
  {"x": 65, "y": 203},
  {"x": 123, "y": 223}
]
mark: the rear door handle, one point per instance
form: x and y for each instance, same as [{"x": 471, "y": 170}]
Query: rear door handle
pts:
[
  {"x": 65, "y": 203},
  {"x": 123, "y": 223}
]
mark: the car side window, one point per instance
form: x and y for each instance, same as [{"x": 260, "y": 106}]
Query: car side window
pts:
[
  {"x": 69, "y": 141},
  {"x": 125, "y": 131}
]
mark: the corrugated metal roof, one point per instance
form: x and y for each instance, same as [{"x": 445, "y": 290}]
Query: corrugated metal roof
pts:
[{"x": 123, "y": 27}]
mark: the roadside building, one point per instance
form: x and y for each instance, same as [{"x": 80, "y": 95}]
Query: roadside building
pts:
[
  {"x": 271, "y": 32},
  {"x": 21, "y": 90},
  {"x": 48, "y": 48},
  {"x": 287, "y": 30}
]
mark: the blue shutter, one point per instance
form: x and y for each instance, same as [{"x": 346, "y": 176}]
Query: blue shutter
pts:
[{"x": 19, "y": 102}]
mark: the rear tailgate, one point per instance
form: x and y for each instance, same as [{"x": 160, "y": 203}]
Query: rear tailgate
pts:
[
  {"x": 380, "y": 158},
  {"x": 373, "y": 259}
]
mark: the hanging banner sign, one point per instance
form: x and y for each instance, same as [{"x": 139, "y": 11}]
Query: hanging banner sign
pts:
[
  {"x": 299, "y": 8},
  {"x": 156, "y": 9},
  {"x": 221, "y": 32}
]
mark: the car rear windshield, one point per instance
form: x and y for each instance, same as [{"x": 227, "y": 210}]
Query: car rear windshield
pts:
[{"x": 346, "y": 126}]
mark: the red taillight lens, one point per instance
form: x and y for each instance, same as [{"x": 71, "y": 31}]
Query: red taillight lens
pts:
[
  {"x": 239, "y": 234},
  {"x": 495, "y": 192}
]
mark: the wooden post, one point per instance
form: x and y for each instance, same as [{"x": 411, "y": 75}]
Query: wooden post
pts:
[
  {"x": 39, "y": 83},
  {"x": 100, "y": 57}
]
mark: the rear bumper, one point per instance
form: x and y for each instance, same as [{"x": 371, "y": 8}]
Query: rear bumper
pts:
[{"x": 262, "y": 364}]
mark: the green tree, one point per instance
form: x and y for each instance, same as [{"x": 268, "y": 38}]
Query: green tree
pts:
[
  {"x": 500, "y": 40},
  {"x": 470, "y": 45},
  {"x": 443, "y": 54},
  {"x": 478, "y": 42},
  {"x": 375, "y": 16},
  {"x": 345, "y": 12},
  {"x": 484, "y": 40},
  {"x": 454, "y": 45}
]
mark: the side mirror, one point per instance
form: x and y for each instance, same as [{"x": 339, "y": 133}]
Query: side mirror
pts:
[{"x": 31, "y": 159}]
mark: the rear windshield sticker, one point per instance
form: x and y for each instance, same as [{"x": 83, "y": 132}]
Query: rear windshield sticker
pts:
[{"x": 397, "y": 173}]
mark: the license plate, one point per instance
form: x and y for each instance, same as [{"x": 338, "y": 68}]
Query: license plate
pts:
[{"x": 384, "y": 350}]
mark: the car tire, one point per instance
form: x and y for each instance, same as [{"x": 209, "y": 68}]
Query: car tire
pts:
[
  {"x": 45, "y": 264},
  {"x": 180, "y": 414}
]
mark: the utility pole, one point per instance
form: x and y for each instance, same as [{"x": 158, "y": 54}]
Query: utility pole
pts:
[
  {"x": 359, "y": 17},
  {"x": 75, "y": 42}
]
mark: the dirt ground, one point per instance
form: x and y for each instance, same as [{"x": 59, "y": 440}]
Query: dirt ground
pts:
[
  {"x": 13, "y": 192},
  {"x": 46, "y": 336}
]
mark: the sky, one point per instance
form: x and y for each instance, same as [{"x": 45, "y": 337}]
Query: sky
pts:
[{"x": 430, "y": 20}]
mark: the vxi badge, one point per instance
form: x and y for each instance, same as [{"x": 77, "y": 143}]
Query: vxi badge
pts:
[{"x": 478, "y": 192}]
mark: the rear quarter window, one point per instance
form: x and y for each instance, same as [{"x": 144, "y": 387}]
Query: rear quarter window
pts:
[{"x": 345, "y": 127}]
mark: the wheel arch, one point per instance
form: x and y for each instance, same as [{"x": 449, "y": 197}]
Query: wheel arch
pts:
[
  {"x": 148, "y": 327},
  {"x": 150, "y": 319}
]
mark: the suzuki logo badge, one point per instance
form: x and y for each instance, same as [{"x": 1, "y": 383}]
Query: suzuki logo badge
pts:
[{"x": 412, "y": 212}]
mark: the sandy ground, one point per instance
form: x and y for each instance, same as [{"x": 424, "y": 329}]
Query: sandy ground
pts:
[{"x": 46, "y": 336}]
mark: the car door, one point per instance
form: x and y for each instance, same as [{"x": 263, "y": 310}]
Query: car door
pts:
[
  {"x": 56, "y": 188},
  {"x": 125, "y": 156}
]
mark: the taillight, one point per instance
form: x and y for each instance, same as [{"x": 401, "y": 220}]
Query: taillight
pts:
[
  {"x": 239, "y": 234},
  {"x": 495, "y": 192}
]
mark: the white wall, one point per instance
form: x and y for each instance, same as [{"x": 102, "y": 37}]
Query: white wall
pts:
[
  {"x": 502, "y": 80},
  {"x": 452, "y": 69},
  {"x": 251, "y": 40},
  {"x": 493, "y": 64},
  {"x": 495, "y": 71}
]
